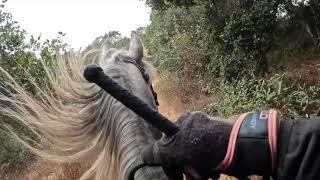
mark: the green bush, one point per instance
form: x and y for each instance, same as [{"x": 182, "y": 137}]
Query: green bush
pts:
[
  {"x": 22, "y": 58},
  {"x": 178, "y": 43},
  {"x": 291, "y": 95},
  {"x": 242, "y": 34},
  {"x": 11, "y": 151},
  {"x": 236, "y": 43},
  {"x": 231, "y": 39}
]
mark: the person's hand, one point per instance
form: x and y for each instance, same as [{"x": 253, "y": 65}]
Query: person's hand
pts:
[{"x": 196, "y": 150}]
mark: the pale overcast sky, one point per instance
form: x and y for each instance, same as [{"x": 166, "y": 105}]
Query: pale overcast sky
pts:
[{"x": 81, "y": 20}]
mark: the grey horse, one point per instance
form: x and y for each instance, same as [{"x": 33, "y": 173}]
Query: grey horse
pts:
[{"x": 78, "y": 122}]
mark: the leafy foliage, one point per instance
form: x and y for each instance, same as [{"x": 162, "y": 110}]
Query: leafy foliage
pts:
[
  {"x": 292, "y": 96},
  {"x": 242, "y": 35},
  {"x": 12, "y": 151},
  {"x": 241, "y": 38},
  {"x": 23, "y": 58},
  {"x": 238, "y": 43},
  {"x": 177, "y": 41},
  {"x": 164, "y": 4},
  {"x": 227, "y": 46},
  {"x": 114, "y": 38}
]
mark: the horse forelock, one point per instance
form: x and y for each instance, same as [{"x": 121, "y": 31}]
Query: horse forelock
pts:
[{"x": 77, "y": 121}]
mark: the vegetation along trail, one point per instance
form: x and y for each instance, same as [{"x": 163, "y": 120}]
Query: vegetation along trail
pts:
[{"x": 211, "y": 56}]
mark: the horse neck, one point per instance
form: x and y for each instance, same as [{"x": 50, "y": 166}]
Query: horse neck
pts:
[{"x": 134, "y": 136}]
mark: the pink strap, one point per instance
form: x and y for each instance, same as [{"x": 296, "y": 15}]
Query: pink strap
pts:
[
  {"x": 273, "y": 124},
  {"x": 232, "y": 143},
  {"x": 272, "y": 138}
]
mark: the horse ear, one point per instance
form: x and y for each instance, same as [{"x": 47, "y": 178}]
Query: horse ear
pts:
[
  {"x": 136, "y": 47},
  {"x": 106, "y": 49}
]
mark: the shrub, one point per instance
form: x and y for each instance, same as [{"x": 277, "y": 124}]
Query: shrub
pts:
[
  {"x": 22, "y": 58},
  {"x": 11, "y": 151},
  {"x": 240, "y": 38},
  {"x": 178, "y": 42},
  {"x": 291, "y": 95}
]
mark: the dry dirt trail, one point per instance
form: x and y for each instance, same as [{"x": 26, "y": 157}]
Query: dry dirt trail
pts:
[{"x": 173, "y": 102}]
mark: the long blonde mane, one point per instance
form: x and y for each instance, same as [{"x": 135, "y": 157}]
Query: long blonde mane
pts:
[{"x": 75, "y": 120}]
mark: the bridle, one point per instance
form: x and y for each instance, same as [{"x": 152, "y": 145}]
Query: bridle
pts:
[
  {"x": 94, "y": 74},
  {"x": 135, "y": 169},
  {"x": 138, "y": 167},
  {"x": 145, "y": 76}
]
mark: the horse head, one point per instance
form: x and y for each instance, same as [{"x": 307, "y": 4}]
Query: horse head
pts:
[{"x": 79, "y": 122}]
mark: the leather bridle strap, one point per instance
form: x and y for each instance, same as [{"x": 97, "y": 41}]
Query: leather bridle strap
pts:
[
  {"x": 135, "y": 169},
  {"x": 145, "y": 77},
  {"x": 138, "y": 167}
]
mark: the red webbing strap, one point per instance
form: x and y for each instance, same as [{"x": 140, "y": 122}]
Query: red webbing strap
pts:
[
  {"x": 273, "y": 124},
  {"x": 272, "y": 138},
  {"x": 232, "y": 143}
]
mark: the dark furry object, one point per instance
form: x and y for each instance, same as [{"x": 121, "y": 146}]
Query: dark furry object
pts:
[{"x": 202, "y": 143}]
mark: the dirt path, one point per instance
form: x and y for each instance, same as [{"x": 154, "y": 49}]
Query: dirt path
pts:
[{"x": 175, "y": 100}]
